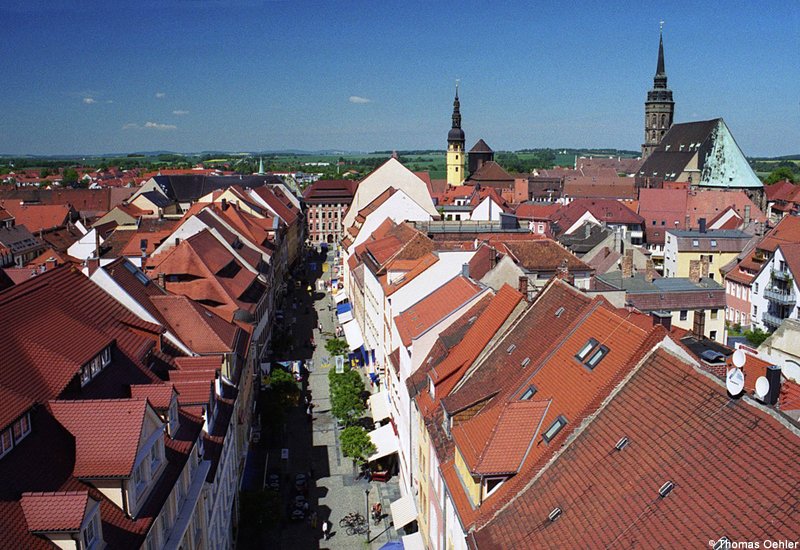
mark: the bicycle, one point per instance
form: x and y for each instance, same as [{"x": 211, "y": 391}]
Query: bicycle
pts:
[
  {"x": 357, "y": 529},
  {"x": 352, "y": 519}
]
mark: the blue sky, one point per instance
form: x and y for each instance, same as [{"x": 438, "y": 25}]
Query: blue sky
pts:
[{"x": 191, "y": 75}]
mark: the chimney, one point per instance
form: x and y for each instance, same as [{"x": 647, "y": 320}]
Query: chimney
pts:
[
  {"x": 746, "y": 215},
  {"x": 686, "y": 226},
  {"x": 773, "y": 375},
  {"x": 96, "y": 244},
  {"x": 224, "y": 204},
  {"x": 162, "y": 280},
  {"x": 563, "y": 271},
  {"x": 663, "y": 318},
  {"x": 492, "y": 258},
  {"x": 465, "y": 270},
  {"x": 627, "y": 264},
  {"x": 649, "y": 270},
  {"x": 177, "y": 241},
  {"x": 694, "y": 271},
  {"x": 92, "y": 264},
  {"x": 143, "y": 248},
  {"x": 702, "y": 223},
  {"x": 50, "y": 263},
  {"x": 522, "y": 286},
  {"x": 704, "y": 268}
]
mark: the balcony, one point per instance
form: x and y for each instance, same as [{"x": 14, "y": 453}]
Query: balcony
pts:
[
  {"x": 772, "y": 320},
  {"x": 780, "y": 296},
  {"x": 781, "y": 274}
]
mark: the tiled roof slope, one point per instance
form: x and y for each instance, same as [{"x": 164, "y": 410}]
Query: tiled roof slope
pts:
[
  {"x": 200, "y": 329},
  {"x": 57, "y": 511},
  {"x": 543, "y": 255},
  {"x": 434, "y": 307},
  {"x": 38, "y": 217},
  {"x": 106, "y": 431},
  {"x": 604, "y": 210},
  {"x": 54, "y": 324},
  {"x": 611, "y": 498}
]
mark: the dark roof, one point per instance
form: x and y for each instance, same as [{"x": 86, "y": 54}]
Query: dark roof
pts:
[
  {"x": 19, "y": 240},
  {"x": 157, "y": 198},
  {"x": 666, "y": 293},
  {"x": 190, "y": 187},
  {"x": 611, "y": 498},
  {"x": 481, "y": 147}
]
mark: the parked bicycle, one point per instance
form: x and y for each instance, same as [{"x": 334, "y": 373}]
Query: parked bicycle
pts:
[
  {"x": 357, "y": 530},
  {"x": 353, "y": 519}
]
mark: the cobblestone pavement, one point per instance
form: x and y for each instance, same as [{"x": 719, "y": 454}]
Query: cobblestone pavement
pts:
[{"x": 313, "y": 447}]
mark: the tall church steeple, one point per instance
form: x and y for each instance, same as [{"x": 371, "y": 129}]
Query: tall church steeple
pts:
[
  {"x": 659, "y": 109},
  {"x": 455, "y": 146}
]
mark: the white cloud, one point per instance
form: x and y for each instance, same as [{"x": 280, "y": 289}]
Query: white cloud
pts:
[
  {"x": 89, "y": 100},
  {"x": 161, "y": 95},
  {"x": 180, "y": 112},
  {"x": 130, "y": 126},
  {"x": 159, "y": 126},
  {"x": 109, "y": 101},
  {"x": 358, "y": 100}
]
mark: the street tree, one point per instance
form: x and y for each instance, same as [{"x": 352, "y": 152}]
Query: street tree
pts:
[{"x": 356, "y": 444}]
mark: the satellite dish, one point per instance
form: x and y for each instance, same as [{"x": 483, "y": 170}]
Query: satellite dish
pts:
[
  {"x": 739, "y": 358},
  {"x": 762, "y": 387},
  {"x": 734, "y": 381}
]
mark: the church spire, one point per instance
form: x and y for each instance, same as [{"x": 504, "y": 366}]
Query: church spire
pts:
[
  {"x": 659, "y": 109},
  {"x": 456, "y": 110},
  {"x": 660, "y": 80}
]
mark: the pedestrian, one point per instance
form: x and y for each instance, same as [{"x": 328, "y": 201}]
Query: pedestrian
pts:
[
  {"x": 326, "y": 529},
  {"x": 308, "y": 412}
]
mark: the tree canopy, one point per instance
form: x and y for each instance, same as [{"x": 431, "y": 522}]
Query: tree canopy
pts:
[
  {"x": 356, "y": 443},
  {"x": 781, "y": 173}
]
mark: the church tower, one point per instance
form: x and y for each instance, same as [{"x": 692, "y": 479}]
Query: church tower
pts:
[
  {"x": 455, "y": 147},
  {"x": 659, "y": 107}
]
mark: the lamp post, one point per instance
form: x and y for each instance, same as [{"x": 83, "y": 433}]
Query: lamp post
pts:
[{"x": 366, "y": 499}]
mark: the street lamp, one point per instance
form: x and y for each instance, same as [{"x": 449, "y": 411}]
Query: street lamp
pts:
[{"x": 366, "y": 499}]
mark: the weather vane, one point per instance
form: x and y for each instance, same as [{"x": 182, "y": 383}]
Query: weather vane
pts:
[{"x": 661, "y": 25}]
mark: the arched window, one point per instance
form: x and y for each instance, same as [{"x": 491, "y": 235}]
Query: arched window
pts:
[{"x": 663, "y": 121}]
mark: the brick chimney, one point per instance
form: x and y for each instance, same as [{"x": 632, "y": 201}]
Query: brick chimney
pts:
[
  {"x": 704, "y": 266},
  {"x": 627, "y": 264},
  {"x": 686, "y": 226},
  {"x": 50, "y": 263},
  {"x": 92, "y": 264},
  {"x": 649, "y": 271},
  {"x": 694, "y": 271},
  {"x": 522, "y": 286},
  {"x": 162, "y": 280}
]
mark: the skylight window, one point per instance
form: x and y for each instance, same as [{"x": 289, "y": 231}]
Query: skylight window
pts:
[
  {"x": 560, "y": 311},
  {"x": 596, "y": 357},
  {"x": 525, "y": 362},
  {"x": 511, "y": 348},
  {"x": 621, "y": 444},
  {"x": 554, "y": 428},
  {"x": 587, "y": 347},
  {"x": 666, "y": 489},
  {"x": 530, "y": 392}
]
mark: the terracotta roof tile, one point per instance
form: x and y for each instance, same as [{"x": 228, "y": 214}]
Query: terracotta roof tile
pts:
[
  {"x": 159, "y": 395},
  {"x": 39, "y": 217},
  {"x": 200, "y": 329},
  {"x": 106, "y": 431},
  {"x": 543, "y": 255},
  {"x": 434, "y": 307},
  {"x": 604, "y": 210},
  {"x": 56, "y": 511},
  {"x": 611, "y": 498}
]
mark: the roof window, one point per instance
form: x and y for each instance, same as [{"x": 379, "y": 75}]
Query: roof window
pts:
[
  {"x": 554, "y": 514},
  {"x": 559, "y": 311},
  {"x": 525, "y": 362},
  {"x": 621, "y": 444},
  {"x": 596, "y": 357},
  {"x": 587, "y": 347},
  {"x": 666, "y": 489},
  {"x": 530, "y": 392},
  {"x": 511, "y": 348},
  {"x": 722, "y": 544},
  {"x": 554, "y": 428}
]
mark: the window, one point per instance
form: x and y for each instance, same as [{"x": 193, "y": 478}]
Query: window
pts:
[
  {"x": 530, "y": 392},
  {"x": 713, "y": 245},
  {"x": 684, "y": 315},
  {"x": 5, "y": 442},
  {"x": 755, "y": 288},
  {"x": 155, "y": 457},
  {"x": 755, "y": 311},
  {"x": 714, "y": 313},
  {"x": 139, "y": 480},
  {"x": 596, "y": 357},
  {"x": 492, "y": 484},
  {"x": 21, "y": 428},
  {"x": 90, "y": 533},
  {"x": 587, "y": 347},
  {"x": 554, "y": 428},
  {"x": 713, "y": 335},
  {"x": 695, "y": 243}
]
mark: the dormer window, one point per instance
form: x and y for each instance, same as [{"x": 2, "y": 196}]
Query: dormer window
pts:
[
  {"x": 95, "y": 366},
  {"x": 91, "y": 532},
  {"x": 172, "y": 420}
]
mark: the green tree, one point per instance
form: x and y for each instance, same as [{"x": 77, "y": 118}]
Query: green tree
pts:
[
  {"x": 346, "y": 390},
  {"x": 756, "y": 336},
  {"x": 356, "y": 444},
  {"x": 70, "y": 176},
  {"x": 44, "y": 172},
  {"x": 336, "y": 346},
  {"x": 780, "y": 173}
]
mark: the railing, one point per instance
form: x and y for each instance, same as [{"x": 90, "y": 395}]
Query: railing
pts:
[
  {"x": 772, "y": 320},
  {"x": 781, "y": 274},
  {"x": 780, "y": 296}
]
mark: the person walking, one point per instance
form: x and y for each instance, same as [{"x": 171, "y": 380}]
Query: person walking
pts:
[{"x": 326, "y": 529}]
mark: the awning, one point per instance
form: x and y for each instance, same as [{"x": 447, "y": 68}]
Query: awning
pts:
[
  {"x": 340, "y": 297},
  {"x": 379, "y": 405},
  {"x": 352, "y": 333},
  {"x": 404, "y": 511},
  {"x": 385, "y": 441},
  {"x": 345, "y": 312},
  {"x": 413, "y": 542}
]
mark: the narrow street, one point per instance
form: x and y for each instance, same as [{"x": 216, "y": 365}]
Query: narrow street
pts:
[{"x": 312, "y": 447}]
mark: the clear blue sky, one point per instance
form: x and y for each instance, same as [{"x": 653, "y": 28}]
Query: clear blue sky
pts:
[{"x": 86, "y": 76}]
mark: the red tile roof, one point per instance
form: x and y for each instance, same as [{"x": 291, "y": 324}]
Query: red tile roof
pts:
[
  {"x": 200, "y": 329},
  {"x": 434, "y": 307},
  {"x": 600, "y": 187},
  {"x": 106, "y": 431},
  {"x": 36, "y": 217},
  {"x": 611, "y": 498},
  {"x": 57, "y": 511},
  {"x": 543, "y": 255},
  {"x": 604, "y": 210},
  {"x": 159, "y": 395},
  {"x": 536, "y": 210}
]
